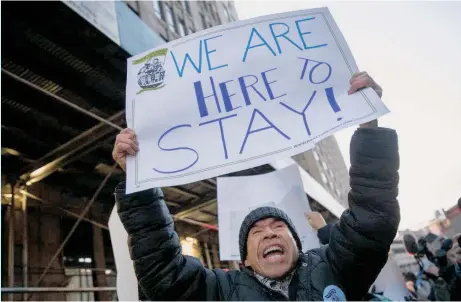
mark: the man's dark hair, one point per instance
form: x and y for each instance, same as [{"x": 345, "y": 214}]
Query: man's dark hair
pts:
[{"x": 409, "y": 277}]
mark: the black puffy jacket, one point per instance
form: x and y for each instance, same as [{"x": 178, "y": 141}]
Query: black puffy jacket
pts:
[{"x": 358, "y": 248}]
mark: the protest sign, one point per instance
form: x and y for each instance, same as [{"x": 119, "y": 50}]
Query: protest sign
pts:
[
  {"x": 240, "y": 95},
  {"x": 312, "y": 187},
  {"x": 237, "y": 196},
  {"x": 127, "y": 283},
  {"x": 390, "y": 282}
]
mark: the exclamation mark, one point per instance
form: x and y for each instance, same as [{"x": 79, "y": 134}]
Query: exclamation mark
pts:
[{"x": 332, "y": 100}]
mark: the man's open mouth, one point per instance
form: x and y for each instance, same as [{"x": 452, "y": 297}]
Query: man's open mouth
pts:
[{"x": 272, "y": 251}]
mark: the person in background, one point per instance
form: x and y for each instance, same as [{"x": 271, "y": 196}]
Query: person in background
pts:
[
  {"x": 270, "y": 248},
  {"x": 410, "y": 281},
  {"x": 323, "y": 229},
  {"x": 454, "y": 256},
  {"x": 319, "y": 224}
]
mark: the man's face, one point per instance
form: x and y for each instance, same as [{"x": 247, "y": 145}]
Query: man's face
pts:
[{"x": 271, "y": 248}]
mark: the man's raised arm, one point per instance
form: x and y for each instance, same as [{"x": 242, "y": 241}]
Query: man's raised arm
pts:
[
  {"x": 360, "y": 241},
  {"x": 162, "y": 271}
]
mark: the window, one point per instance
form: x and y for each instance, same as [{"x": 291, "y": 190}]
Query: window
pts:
[
  {"x": 204, "y": 24},
  {"x": 226, "y": 14},
  {"x": 181, "y": 28},
  {"x": 324, "y": 178},
  {"x": 157, "y": 10},
  {"x": 164, "y": 38},
  {"x": 316, "y": 155},
  {"x": 324, "y": 165},
  {"x": 169, "y": 18},
  {"x": 185, "y": 6},
  {"x": 337, "y": 192},
  {"x": 216, "y": 17},
  {"x": 399, "y": 250}
]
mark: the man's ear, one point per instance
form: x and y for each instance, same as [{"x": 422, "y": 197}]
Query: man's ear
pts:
[{"x": 246, "y": 263}]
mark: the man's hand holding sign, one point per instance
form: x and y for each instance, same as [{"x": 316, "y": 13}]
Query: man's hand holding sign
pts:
[{"x": 283, "y": 83}]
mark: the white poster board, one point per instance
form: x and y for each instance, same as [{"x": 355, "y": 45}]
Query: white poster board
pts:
[
  {"x": 237, "y": 196},
  {"x": 127, "y": 283},
  {"x": 313, "y": 188},
  {"x": 240, "y": 95}
]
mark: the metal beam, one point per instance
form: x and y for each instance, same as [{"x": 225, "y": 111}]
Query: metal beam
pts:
[
  {"x": 11, "y": 249},
  {"x": 184, "y": 192},
  {"x": 79, "y": 139},
  {"x": 70, "y": 213},
  {"x": 172, "y": 204},
  {"x": 19, "y": 290},
  {"x": 65, "y": 159},
  {"x": 199, "y": 223},
  {"x": 25, "y": 249},
  {"x": 208, "y": 213},
  {"x": 62, "y": 100},
  {"x": 84, "y": 212},
  {"x": 194, "y": 207},
  {"x": 207, "y": 184}
]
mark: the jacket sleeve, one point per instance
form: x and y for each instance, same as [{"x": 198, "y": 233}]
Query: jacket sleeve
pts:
[
  {"x": 324, "y": 234},
  {"x": 360, "y": 241},
  {"x": 162, "y": 271}
]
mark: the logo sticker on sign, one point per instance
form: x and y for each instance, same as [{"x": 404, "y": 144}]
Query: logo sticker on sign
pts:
[{"x": 152, "y": 75}]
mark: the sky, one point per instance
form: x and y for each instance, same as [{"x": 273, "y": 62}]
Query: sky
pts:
[{"x": 413, "y": 51}]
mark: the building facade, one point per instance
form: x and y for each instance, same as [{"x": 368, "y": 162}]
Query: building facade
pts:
[
  {"x": 326, "y": 165},
  {"x": 175, "y": 19}
]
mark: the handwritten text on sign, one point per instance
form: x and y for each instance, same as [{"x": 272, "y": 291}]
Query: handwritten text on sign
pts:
[{"x": 237, "y": 96}]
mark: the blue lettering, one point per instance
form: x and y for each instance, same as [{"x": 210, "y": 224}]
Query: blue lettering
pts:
[
  {"x": 311, "y": 72},
  {"x": 187, "y": 57},
  {"x": 301, "y": 34},
  {"x": 244, "y": 87},
  {"x": 302, "y": 113},
  {"x": 287, "y": 29},
  {"x": 201, "y": 98},
  {"x": 208, "y": 52},
  {"x": 221, "y": 129},
  {"x": 268, "y": 87},
  {"x": 226, "y": 96},
  {"x": 248, "y": 47},
  {"x": 175, "y": 149},
  {"x": 249, "y": 131},
  {"x": 332, "y": 100}
]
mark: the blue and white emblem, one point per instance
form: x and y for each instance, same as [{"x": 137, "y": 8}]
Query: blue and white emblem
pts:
[{"x": 333, "y": 293}]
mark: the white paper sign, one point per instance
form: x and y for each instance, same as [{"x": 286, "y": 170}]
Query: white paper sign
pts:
[
  {"x": 127, "y": 283},
  {"x": 237, "y": 196},
  {"x": 240, "y": 95}
]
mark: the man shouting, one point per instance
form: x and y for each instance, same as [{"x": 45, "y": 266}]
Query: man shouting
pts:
[{"x": 270, "y": 249}]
